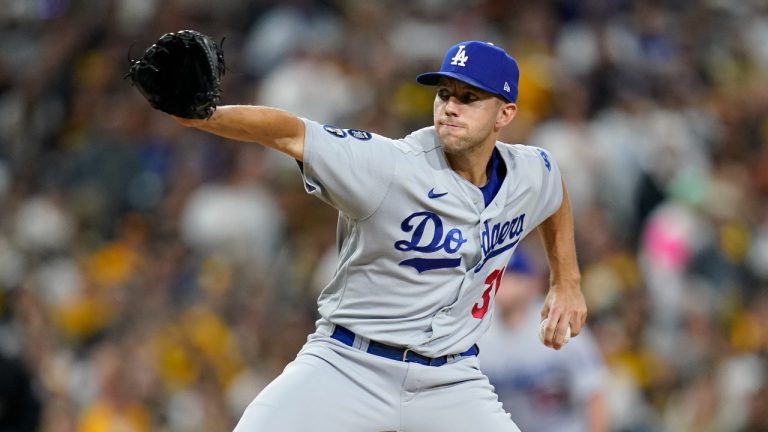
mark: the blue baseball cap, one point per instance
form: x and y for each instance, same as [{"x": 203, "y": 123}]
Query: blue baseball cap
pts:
[{"x": 480, "y": 64}]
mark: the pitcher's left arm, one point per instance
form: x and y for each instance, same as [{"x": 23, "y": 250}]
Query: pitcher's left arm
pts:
[{"x": 564, "y": 304}]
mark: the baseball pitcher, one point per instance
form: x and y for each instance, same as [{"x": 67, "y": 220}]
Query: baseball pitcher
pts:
[{"x": 427, "y": 224}]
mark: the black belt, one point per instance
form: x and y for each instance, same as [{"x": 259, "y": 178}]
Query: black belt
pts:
[{"x": 347, "y": 337}]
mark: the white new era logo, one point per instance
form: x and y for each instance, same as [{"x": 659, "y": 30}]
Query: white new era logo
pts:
[
  {"x": 460, "y": 58},
  {"x": 506, "y": 87}
]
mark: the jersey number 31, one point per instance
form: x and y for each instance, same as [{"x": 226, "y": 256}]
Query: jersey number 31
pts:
[{"x": 492, "y": 283}]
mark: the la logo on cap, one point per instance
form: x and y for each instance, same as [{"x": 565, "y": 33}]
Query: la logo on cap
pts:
[
  {"x": 460, "y": 59},
  {"x": 492, "y": 69}
]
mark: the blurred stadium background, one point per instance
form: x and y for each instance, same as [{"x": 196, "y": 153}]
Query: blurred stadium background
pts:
[{"x": 153, "y": 278}]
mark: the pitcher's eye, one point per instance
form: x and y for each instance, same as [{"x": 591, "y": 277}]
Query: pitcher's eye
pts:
[{"x": 467, "y": 97}]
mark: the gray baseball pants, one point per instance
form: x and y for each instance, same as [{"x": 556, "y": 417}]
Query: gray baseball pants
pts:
[{"x": 332, "y": 387}]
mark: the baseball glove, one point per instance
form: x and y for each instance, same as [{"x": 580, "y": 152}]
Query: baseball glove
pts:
[{"x": 180, "y": 74}]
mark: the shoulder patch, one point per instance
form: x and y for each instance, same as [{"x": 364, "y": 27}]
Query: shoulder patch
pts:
[
  {"x": 335, "y": 131},
  {"x": 545, "y": 156},
  {"x": 360, "y": 134}
]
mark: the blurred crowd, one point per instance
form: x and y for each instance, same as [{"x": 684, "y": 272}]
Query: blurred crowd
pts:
[{"x": 154, "y": 278}]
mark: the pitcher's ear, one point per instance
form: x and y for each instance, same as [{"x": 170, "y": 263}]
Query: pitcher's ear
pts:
[{"x": 506, "y": 114}]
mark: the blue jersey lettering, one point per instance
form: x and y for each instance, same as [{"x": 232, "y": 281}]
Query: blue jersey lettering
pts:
[
  {"x": 500, "y": 238},
  {"x": 417, "y": 224}
]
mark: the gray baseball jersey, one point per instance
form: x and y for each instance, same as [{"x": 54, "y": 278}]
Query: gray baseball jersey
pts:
[{"x": 421, "y": 255}]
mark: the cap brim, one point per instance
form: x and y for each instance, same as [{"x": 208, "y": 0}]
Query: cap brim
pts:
[{"x": 432, "y": 78}]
